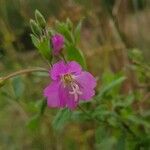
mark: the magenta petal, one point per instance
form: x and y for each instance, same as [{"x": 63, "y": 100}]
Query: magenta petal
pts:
[
  {"x": 71, "y": 103},
  {"x": 87, "y": 84},
  {"x": 74, "y": 67},
  {"x": 51, "y": 93},
  {"x": 58, "y": 69},
  {"x": 66, "y": 98},
  {"x": 61, "y": 68},
  {"x": 62, "y": 96},
  {"x": 61, "y": 93}
]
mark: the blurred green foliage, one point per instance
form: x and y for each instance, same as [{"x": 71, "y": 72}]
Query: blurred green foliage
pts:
[{"x": 115, "y": 42}]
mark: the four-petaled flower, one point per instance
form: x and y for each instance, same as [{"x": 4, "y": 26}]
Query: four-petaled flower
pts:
[
  {"x": 69, "y": 85},
  {"x": 57, "y": 43}
]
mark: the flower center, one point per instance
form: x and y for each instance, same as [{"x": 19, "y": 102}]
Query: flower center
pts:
[{"x": 68, "y": 80}]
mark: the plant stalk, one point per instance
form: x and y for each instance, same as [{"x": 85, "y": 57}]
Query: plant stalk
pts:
[{"x": 20, "y": 72}]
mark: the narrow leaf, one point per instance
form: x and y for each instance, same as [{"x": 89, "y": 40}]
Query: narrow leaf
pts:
[
  {"x": 75, "y": 54},
  {"x": 110, "y": 86},
  {"x": 33, "y": 123},
  {"x": 61, "y": 119},
  {"x": 18, "y": 86},
  {"x": 35, "y": 40},
  {"x": 77, "y": 32}
]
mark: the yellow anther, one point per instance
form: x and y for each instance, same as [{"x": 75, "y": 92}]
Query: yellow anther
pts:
[{"x": 67, "y": 79}]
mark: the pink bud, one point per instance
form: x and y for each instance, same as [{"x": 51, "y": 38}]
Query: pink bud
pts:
[{"x": 57, "y": 43}]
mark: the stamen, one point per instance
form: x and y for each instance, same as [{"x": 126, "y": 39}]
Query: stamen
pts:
[{"x": 68, "y": 80}]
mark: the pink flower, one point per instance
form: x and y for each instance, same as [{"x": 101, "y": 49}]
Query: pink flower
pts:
[
  {"x": 69, "y": 85},
  {"x": 57, "y": 43}
]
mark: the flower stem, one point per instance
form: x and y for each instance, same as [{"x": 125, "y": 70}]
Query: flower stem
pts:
[
  {"x": 25, "y": 71},
  {"x": 63, "y": 57}
]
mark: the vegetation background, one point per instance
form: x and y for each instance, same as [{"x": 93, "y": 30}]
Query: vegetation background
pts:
[{"x": 115, "y": 38}]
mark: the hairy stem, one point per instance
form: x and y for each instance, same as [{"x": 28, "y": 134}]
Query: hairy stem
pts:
[{"x": 25, "y": 71}]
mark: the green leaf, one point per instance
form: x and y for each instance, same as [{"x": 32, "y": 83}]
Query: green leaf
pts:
[
  {"x": 35, "y": 40},
  {"x": 43, "y": 46},
  {"x": 77, "y": 32},
  {"x": 35, "y": 28},
  {"x": 69, "y": 24},
  {"x": 43, "y": 107},
  {"x": 125, "y": 102},
  {"x": 121, "y": 144},
  {"x": 101, "y": 112},
  {"x": 45, "y": 49},
  {"x": 18, "y": 86},
  {"x": 61, "y": 119},
  {"x": 64, "y": 30},
  {"x": 138, "y": 120},
  {"x": 104, "y": 141},
  {"x": 40, "y": 19},
  {"x": 136, "y": 54},
  {"x": 110, "y": 86},
  {"x": 33, "y": 123},
  {"x": 75, "y": 54}
]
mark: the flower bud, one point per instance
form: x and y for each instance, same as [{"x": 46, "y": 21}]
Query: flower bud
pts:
[
  {"x": 57, "y": 43},
  {"x": 40, "y": 19},
  {"x": 35, "y": 28}
]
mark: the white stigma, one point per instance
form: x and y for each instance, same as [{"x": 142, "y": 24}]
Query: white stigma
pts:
[
  {"x": 75, "y": 91},
  {"x": 69, "y": 80}
]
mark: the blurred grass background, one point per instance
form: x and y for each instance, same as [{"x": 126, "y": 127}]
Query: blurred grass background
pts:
[{"x": 111, "y": 28}]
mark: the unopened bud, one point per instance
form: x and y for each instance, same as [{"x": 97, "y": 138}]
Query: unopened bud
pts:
[
  {"x": 40, "y": 19},
  {"x": 57, "y": 43},
  {"x": 35, "y": 27}
]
